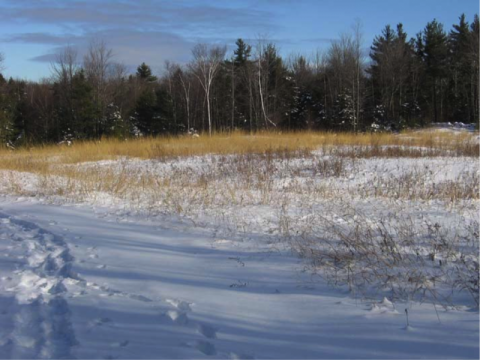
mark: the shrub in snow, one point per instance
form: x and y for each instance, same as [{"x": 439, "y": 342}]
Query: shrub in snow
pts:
[{"x": 405, "y": 258}]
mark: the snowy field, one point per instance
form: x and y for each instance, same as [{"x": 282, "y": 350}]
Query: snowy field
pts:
[{"x": 328, "y": 254}]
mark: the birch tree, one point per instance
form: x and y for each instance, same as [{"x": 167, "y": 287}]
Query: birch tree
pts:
[{"x": 206, "y": 62}]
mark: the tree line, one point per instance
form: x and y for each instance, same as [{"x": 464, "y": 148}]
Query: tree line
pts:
[{"x": 403, "y": 82}]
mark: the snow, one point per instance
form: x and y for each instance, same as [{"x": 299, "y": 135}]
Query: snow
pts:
[
  {"x": 162, "y": 289},
  {"x": 101, "y": 277},
  {"x": 456, "y": 126}
]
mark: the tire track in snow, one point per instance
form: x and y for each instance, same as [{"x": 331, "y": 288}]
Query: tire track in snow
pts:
[{"x": 42, "y": 318}]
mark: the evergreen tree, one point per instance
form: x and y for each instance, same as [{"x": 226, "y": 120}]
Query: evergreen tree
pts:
[
  {"x": 84, "y": 111},
  {"x": 276, "y": 84},
  {"x": 21, "y": 118},
  {"x": 153, "y": 112},
  {"x": 344, "y": 112},
  {"x": 390, "y": 72},
  {"x": 242, "y": 85},
  {"x": 115, "y": 125},
  {"x": 76, "y": 113},
  {"x": 242, "y": 52},
  {"x": 300, "y": 88},
  {"x": 7, "y": 114},
  {"x": 145, "y": 112},
  {"x": 164, "y": 119},
  {"x": 460, "y": 69},
  {"x": 435, "y": 56},
  {"x": 145, "y": 72},
  {"x": 432, "y": 77},
  {"x": 474, "y": 72}
]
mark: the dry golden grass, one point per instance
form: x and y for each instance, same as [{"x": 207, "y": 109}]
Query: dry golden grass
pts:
[
  {"x": 249, "y": 177},
  {"x": 279, "y": 174},
  {"x": 36, "y": 159}
]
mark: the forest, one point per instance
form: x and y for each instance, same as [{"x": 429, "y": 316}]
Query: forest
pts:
[{"x": 399, "y": 82}]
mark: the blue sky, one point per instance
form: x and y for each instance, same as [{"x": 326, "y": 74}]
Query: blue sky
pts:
[{"x": 32, "y": 31}]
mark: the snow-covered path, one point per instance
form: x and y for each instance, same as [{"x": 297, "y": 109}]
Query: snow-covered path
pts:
[
  {"x": 91, "y": 283},
  {"x": 40, "y": 324}
]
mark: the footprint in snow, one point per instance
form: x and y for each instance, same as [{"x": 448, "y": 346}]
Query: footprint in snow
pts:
[
  {"x": 92, "y": 252},
  {"x": 101, "y": 321},
  {"x": 240, "y": 356},
  {"x": 140, "y": 298},
  {"x": 5, "y": 341},
  {"x": 206, "y": 330},
  {"x": 222, "y": 241},
  {"x": 204, "y": 347},
  {"x": 105, "y": 321},
  {"x": 177, "y": 317},
  {"x": 123, "y": 343},
  {"x": 179, "y": 304},
  {"x": 110, "y": 357},
  {"x": 78, "y": 294}
]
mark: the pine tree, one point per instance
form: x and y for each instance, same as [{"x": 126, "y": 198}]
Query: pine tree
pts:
[
  {"x": 435, "y": 55},
  {"x": 344, "y": 112},
  {"x": 300, "y": 89},
  {"x": 242, "y": 84},
  {"x": 144, "y": 112},
  {"x": 21, "y": 118},
  {"x": 76, "y": 113},
  {"x": 383, "y": 76},
  {"x": 163, "y": 120},
  {"x": 460, "y": 70},
  {"x": 474, "y": 73},
  {"x": 153, "y": 112},
  {"x": 84, "y": 111},
  {"x": 242, "y": 53},
  {"x": 390, "y": 72},
  {"x": 6, "y": 115},
  {"x": 115, "y": 125},
  {"x": 145, "y": 72},
  {"x": 275, "y": 84}
]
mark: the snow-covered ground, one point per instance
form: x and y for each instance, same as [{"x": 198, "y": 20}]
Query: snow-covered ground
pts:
[
  {"x": 205, "y": 265},
  {"x": 456, "y": 126},
  {"x": 136, "y": 288}
]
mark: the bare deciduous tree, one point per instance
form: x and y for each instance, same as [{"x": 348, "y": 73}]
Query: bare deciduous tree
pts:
[
  {"x": 207, "y": 61},
  {"x": 2, "y": 59},
  {"x": 346, "y": 63},
  {"x": 97, "y": 64},
  {"x": 65, "y": 65},
  {"x": 359, "y": 65},
  {"x": 64, "y": 69},
  {"x": 118, "y": 74}
]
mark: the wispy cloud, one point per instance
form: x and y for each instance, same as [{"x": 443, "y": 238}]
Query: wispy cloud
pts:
[
  {"x": 144, "y": 30},
  {"x": 147, "y": 14}
]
